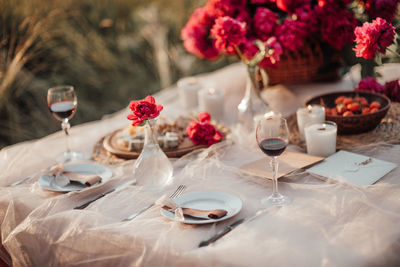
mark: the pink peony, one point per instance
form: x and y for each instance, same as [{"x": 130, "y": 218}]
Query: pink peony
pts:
[
  {"x": 264, "y": 23},
  {"x": 369, "y": 84},
  {"x": 275, "y": 51},
  {"x": 232, "y": 8},
  {"x": 291, "y": 34},
  {"x": 143, "y": 110},
  {"x": 392, "y": 90},
  {"x": 228, "y": 33},
  {"x": 337, "y": 26},
  {"x": 385, "y": 9},
  {"x": 374, "y": 36},
  {"x": 195, "y": 35}
]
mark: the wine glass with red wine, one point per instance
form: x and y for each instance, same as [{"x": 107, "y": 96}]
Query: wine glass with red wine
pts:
[
  {"x": 62, "y": 103},
  {"x": 272, "y": 136}
]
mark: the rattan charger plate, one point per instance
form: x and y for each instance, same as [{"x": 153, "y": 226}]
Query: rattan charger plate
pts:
[
  {"x": 388, "y": 131},
  {"x": 107, "y": 151}
]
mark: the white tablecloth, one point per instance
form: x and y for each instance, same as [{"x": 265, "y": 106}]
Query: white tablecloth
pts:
[{"x": 327, "y": 224}]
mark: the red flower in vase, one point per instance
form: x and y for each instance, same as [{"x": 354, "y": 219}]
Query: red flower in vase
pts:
[
  {"x": 372, "y": 37},
  {"x": 202, "y": 132},
  {"x": 143, "y": 110},
  {"x": 291, "y": 34},
  {"x": 274, "y": 51},
  {"x": 290, "y": 5},
  {"x": 228, "y": 34}
]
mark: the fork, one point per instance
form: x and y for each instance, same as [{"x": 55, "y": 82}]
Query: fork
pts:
[{"x": 175, "y": 194}]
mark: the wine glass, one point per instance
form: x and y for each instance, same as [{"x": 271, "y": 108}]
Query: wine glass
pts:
[
  {"x": 272, "y": 136},
  {"x": 62, "y": 104}
]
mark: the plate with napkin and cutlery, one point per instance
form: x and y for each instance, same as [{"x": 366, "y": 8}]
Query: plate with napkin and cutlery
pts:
[{"x": 74, "y": 177}]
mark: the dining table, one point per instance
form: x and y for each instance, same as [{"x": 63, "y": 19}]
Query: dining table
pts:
[{"x": 328, "y": 223}]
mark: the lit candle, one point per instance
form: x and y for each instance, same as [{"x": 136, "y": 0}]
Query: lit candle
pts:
[
  {"x": 212, "y": 101},
  {"x": 188, "y": 92},
  {"x": 310, "y": 114},
  {"x": 321, "y": 138}
]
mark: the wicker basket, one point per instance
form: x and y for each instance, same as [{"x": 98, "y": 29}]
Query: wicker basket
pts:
[{"x": 305, "y": 65}]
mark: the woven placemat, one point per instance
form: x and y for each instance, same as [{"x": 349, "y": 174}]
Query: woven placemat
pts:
[
  {"x": 388, "y": 131},
  {"x": 101, "y": 155}
]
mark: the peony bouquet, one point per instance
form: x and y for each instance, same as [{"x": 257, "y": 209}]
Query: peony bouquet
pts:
[{"x": 231, "y": 27}]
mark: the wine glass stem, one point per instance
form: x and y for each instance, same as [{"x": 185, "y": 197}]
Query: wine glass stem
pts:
[
  {"x": 65, "y": 126},
  {"x": 274, "y": 163}
]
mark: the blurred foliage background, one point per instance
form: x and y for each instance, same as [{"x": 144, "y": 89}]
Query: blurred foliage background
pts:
[{"x": 111, "y": 51}]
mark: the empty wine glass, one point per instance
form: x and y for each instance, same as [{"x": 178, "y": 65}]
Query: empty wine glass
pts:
[
  {"x": 62, "y": 103},
  {"x": 272, "y": 136}
]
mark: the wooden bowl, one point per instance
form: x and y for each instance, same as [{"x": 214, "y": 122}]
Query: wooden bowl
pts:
[{"x": 358, "y": 123}]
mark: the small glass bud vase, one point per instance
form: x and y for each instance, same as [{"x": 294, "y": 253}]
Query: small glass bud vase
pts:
[
  {"x": 252, "y": 104},
  {"x": 152, "y": 168}
]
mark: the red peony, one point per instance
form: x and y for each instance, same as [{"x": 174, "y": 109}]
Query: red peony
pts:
[
  {"x": 264, "y": 23},
  {"x": 392, "y": 90},
  {"x": 369, "y": 85},
  {"x": 337, "y": 3},
  {"x": 291, "y": 34},
  {"x": 337, "y": 26},
  {"x": 195, "y": 35},
  {"x": 385, "y": 9},
  {"x": 202, "y": 132},
  {"x": 374, "y": 36},
  {"x": 274, "y": 52},
  {"x": 228, "y": 33},
  {"x": 232, "y": 8},
  {"x": 143, "y": 110},
  {"x": 308, "y": 16}
]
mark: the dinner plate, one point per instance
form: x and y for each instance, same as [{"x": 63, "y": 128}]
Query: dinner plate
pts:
[
  {"x": 208, "y": 200},
  {"x": 47, "y": 182}
]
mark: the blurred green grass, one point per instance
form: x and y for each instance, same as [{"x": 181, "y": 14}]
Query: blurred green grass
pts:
[{"x": 111, "y": 51}]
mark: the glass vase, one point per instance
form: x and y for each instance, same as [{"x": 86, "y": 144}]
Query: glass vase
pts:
[
  {"x": 252, "y": 104},
  {"x": 152, "y": 167}
]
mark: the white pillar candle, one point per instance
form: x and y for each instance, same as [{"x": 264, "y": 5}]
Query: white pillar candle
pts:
[
  {"x": 212, "y": 101},
  {"x": 321, "y": 138},
  {"x": 309, "y": 114},
  {"x": 188, "y": 92}
]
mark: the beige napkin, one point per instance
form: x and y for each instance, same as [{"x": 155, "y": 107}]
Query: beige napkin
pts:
[
  {"x": 64, "y": 177},
  {"x": 179, "y": 211},
  {"x": 288, "y": 162}
]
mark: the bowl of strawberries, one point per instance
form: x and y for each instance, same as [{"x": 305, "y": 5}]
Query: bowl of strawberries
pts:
[{"x": 353, "y": 112}]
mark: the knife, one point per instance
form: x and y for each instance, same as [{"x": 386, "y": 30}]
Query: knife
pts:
[
  {"x": 118, "y": 188},
  {"x": 220, "y": 234},
  {"x": 229, "y": 228}
]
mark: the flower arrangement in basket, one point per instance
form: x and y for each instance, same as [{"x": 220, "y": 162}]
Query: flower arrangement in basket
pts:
[{"x": 296, "y": 32}]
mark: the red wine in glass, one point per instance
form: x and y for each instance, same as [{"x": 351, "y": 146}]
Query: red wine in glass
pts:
[
  {"x": 62, "y": 110},
  {"x": 273, "y": 147}
]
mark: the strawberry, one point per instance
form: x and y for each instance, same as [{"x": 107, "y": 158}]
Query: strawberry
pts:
[
  {"x": 373, "y": 110},
  {"x": 347, "y": 100},
  {"x": 355, "y": 107},
  {"x": 375, "y": 104},
  {"x": 339, "y": 99},
  {"x": 365, "y": 110},
  {"x": 341, "y": 108},
  {"x": 347, "y": 113}
]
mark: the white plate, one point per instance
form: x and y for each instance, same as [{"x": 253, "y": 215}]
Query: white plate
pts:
[
  {"x": 209, "y": 200},
  {"x": 48, "y": 183}
]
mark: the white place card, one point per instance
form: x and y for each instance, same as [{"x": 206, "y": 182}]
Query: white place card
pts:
[{"x": 352, "y": 168}]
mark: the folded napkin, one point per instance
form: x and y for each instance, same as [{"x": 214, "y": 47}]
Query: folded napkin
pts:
[
  {"x": 63, "y": 177},
  {"x": 170, "y": 205}
]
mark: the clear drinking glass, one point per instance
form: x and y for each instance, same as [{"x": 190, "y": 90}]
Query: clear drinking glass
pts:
[
  {"x": 62, "y": 102},
  {"x": 272, "y": 136}
]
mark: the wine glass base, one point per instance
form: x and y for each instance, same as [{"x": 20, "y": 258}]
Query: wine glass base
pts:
[
  {"x": 279, "y": 200},
  {"x": 71, "y": 156}
]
